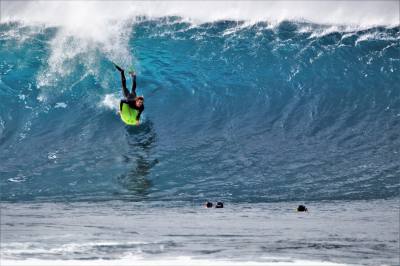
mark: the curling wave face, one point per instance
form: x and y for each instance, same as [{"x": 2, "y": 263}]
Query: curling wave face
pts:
[{"x": 235, "y": 110}]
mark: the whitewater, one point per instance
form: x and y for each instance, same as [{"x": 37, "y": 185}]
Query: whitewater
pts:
[{"x": 263, "y": 105}]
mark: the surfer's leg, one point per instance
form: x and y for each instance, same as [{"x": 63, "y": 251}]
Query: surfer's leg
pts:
[
  {"x": 118, "y": 67},
  {"x": 125, "y": 90},
  {"x": 133, "y": 91}
]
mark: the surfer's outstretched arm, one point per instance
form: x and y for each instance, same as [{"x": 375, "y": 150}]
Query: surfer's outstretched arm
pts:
[{"x": 125, "y": 91}]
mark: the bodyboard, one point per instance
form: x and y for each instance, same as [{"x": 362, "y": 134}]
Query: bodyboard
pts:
[{"x": 128, "y": 114}]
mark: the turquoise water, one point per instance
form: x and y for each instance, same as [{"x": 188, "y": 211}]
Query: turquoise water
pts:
[
  {"x": 240, "y": 113},
  {"x": 262, "y": 114}
]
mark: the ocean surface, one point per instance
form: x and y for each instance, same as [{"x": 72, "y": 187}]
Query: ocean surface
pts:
[{"x": 262, "y": 114}]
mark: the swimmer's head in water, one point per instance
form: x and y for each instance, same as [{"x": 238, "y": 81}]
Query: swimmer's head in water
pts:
[
  {"x": 219, "y": 205},
  {"x": 208, "y": 204},
  {"x": 302, "y": 208}
]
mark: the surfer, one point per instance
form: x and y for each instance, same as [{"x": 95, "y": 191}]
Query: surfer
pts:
[{"x": 135, "y": 102}]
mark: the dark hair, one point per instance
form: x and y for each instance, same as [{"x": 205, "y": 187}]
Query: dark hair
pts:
[
  {"x": 302, "y": 208},
  {"x": 140, "y": 98},
  {"x": 208, "y": 204}
]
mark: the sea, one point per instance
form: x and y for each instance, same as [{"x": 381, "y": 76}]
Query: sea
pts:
[{"x": 261, "y": 105}]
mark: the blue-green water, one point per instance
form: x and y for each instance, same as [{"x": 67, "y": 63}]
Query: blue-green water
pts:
[
  {"x": 261, "y": 115},
  {"x": 240, "y": 113}
]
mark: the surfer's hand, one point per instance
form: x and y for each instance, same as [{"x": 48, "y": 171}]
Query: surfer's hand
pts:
[{"x": 137, "y": 122}]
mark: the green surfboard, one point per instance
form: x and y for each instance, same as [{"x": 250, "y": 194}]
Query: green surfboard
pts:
[{"x": 128, "y": 114}]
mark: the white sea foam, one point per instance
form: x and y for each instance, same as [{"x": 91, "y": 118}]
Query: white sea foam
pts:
[
  {"x": 176, "y": 261},
  {"x": 11, "y": 249},
  {"x": 60, "y": 105},
  {"x": 17, "y": 179},
  {"x": 110, "y": 101},
  {"x": 376, "y": 36},
  {"x": 85, "y": 17},
  {"x": 86, "y": 28},
  {"x": 52, "y": 155}
]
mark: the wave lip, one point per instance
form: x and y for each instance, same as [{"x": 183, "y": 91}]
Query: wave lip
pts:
[
  {"x": 80, "y": 14},
  {"x": 279, "y": 97}
]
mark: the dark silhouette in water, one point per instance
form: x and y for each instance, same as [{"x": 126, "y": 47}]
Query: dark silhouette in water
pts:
[
  {"x": 219, "y": 205},
  {"x": 208, "y": 204},
  {"x": 302, "y": 208}
]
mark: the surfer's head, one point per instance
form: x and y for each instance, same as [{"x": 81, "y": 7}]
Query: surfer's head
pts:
[{"x": 139, "y": 101}]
